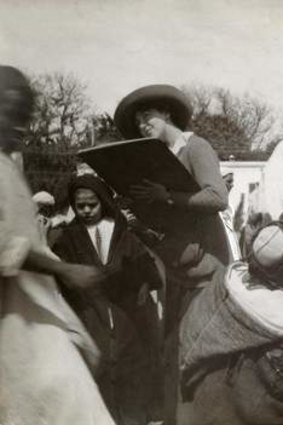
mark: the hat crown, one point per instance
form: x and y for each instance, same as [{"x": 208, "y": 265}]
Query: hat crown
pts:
[{"x": 155, "y": 95}]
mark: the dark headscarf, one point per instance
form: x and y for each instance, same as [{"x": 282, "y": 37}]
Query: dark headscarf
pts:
[{"x": 99, "y": 187}]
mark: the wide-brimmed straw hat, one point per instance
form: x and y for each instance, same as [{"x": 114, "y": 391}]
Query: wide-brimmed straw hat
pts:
[{"x": 159, "y": 96}]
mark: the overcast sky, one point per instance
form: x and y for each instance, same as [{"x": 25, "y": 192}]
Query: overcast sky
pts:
[{"x": 118, "y": 45}]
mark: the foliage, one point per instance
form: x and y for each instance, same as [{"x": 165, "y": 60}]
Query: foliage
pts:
[
  {"x": 61, "y": 112},
  {"x": 58, "y": 129},
  {"x": 242, "y": 127},
  {"x": 47, "y": 168},
  {"x": 102, "y": 129},
  {"x": 64, "y": 121}
]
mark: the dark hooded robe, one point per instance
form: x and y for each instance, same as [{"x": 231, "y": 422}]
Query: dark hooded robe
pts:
[{"x": 126, "y": 332}]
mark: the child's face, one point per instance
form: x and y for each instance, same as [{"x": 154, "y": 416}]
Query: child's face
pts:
[{"x": 88, "y": 206}]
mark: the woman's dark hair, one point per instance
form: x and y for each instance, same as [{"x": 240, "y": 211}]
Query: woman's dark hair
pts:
[{"x": 160, "y": 106}]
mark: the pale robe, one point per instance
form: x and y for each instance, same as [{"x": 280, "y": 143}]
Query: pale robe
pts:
[{"x": 43, "y": 378}]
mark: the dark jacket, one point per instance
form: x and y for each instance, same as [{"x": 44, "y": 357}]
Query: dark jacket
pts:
[
  {"x": 122, "y": 329},
  {"x": 195, "y": 238},
  {"x": 194, "y": 248},
  {"x": 129, "y": 265}
]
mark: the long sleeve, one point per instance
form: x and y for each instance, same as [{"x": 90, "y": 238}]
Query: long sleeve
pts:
[
  {"x": 14, "y": 245},
  {"x": 63, "y": 248},
  {"x": 201, "y": 161}
]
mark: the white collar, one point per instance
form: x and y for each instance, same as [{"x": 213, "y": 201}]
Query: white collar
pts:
[
  {"x": 106, "y": 229},
  {"x": 181, "y": 142},
  {"x": 102, "y": 223}
]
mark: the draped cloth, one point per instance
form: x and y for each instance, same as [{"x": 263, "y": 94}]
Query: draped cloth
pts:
[
  {"x": 231, "y": 346},
  {"x": 43, "y": 378}
]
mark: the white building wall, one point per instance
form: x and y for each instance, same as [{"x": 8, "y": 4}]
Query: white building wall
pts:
[{"x": 272, "y": 193}]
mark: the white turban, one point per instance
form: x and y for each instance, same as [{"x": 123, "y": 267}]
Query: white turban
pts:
[{"x": 43, "y": 198}]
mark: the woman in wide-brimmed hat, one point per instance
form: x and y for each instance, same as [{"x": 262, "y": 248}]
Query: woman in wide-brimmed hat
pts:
[
  {"x": 195, "y": 245},
  {"x": 160, "y": 97}
]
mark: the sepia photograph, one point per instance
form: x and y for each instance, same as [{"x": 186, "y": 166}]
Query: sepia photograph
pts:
[{"x": 141, "y": 212}]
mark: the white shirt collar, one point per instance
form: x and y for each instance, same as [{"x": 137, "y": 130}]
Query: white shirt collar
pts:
[
  {"x": 106, "y": 228},
  {"x": 181, "y": 142}
]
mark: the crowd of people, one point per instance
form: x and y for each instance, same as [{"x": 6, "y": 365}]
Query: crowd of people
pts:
[{"x": 108, "y": 320}]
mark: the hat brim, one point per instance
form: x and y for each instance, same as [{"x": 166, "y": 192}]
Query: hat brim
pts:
[{"x": 159, "y": 96}]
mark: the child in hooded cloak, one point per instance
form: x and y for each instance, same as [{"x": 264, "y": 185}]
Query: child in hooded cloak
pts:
[{"x": 118, "y": 311}]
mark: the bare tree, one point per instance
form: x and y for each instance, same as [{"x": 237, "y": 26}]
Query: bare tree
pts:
[
  {"x": 240, "y": 126},
  {"x": 64, "y": 121},
  {"x": 62, "y": 111},
  {"x": 255, "y": 118},
  {"x": 59, "y": 128}
]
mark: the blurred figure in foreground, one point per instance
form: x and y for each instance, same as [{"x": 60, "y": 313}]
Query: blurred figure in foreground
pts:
[{"x": 43, "y": 377}]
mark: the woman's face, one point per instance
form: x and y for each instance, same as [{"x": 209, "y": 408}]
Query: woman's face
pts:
[
  {"x": 152, "y": 123},
  {"x": 88, "y": 206}
]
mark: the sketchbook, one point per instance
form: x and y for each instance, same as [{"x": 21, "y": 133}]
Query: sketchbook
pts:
[
  {"x": 126, "y": 163},
  {"x": 123, "y": 164}
]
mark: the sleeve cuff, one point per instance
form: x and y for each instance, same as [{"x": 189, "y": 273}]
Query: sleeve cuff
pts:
[{"x": 180, "y": 199}]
